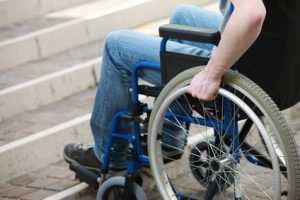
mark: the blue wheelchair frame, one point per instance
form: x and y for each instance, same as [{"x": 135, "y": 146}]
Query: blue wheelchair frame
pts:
[
  {"x": 140, "y": 160},
  {"x": 134, "y": 139}
]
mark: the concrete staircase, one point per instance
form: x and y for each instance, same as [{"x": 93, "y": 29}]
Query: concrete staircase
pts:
[{"x": 50, "y": 56}]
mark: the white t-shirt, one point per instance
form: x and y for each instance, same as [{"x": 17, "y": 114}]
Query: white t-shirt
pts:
[{"x": 225, "y": 10}]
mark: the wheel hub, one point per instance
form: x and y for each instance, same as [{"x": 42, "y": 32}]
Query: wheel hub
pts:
[{"x": 215, "y": 165}]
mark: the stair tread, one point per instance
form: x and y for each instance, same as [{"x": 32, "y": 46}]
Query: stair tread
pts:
[
  {"x": 30, "y": 122},
  {"x": 66, "y": 59},
  {"x": 69, "y": 15},
  {"x": 12, "y": 14},
  {"x": 46, "y": 117},
  {"x": 41, "y": 183},
  {"x": 49, "y": 181},
  {"x": 36, "y": 69}
]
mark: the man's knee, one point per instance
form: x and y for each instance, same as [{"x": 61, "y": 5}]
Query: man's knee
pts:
[
  {"x": 181, "y": 14},
  {"x": 113, "y": 40}
]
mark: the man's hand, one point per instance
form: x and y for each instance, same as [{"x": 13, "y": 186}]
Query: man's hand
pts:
[{"x": 204, "y": 86}]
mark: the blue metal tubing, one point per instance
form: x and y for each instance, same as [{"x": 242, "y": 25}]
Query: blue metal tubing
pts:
[
  {"x": 143, "y": 160},
  {"x": 191, "y": 119},
  {"x": 130, "y": 138},
  {"x": 133, "y": 139},
  {"x": 134, "y": 77},
  {"x": 229, "y": 118},
  {"x": 163, "y": 44},
  {"x": 232, "y": 128},
  {"x": 112, "y": 135},
  {"x": 197, "y": 120},
  {"x": 250, "y": 158}
]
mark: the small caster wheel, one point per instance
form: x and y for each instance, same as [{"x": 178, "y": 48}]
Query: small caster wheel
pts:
[{"x": 113, "y": 189}]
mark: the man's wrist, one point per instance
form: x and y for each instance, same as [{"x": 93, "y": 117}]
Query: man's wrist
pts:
[{"x": 214, "y": 71}]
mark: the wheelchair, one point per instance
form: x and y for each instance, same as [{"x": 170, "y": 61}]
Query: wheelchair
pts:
[{"x": 237, "y": 146}]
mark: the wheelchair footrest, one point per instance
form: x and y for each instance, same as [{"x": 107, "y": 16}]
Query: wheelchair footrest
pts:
[{"x": 85, "y": 175}]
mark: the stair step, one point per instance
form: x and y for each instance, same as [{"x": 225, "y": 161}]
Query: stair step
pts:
[
  {"x": 53, "y": 182},
  {"x": 28, "y": 72},
  {"x": 70, "y": 28},
  {"x": 11, "y": 13},
  {"x": 35, "y": 139},
  {"x": 40, "y": 184},
  {"x": 40, "y": 24},
  {"x": 53, "y": 78},
  {"x": 52, "y": 126},
  {"x": 46, "y": 117},
  {"x": 42, "y": 82}
]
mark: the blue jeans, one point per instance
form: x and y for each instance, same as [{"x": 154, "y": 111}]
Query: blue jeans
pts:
[{"x": 122, "y": 50}]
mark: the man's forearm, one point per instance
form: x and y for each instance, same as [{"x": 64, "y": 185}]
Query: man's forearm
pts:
[{"x": 241, "y": 31}]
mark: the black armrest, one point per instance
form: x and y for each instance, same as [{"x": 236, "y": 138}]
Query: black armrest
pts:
[{"x": 181, "y": 32}]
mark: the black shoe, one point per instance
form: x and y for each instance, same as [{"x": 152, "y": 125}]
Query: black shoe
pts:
[{"x": 82, "y": 154}]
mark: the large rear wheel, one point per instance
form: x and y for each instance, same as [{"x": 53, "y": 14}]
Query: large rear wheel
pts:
[{"x": 235, "y": 147}]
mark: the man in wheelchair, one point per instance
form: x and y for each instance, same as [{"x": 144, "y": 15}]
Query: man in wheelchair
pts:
[{"x": 259, "y": 39}]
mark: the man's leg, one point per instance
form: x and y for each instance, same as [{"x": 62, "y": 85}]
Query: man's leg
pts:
[{"x": 122, "y": 51}]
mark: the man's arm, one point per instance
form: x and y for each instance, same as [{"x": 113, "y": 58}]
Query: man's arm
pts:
[{"x": 241, "y": 31}]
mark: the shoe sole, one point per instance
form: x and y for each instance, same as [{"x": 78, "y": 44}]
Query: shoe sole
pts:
[
  {"x": 69, "y": 160},
  {"x": 97, "y": 170}
]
